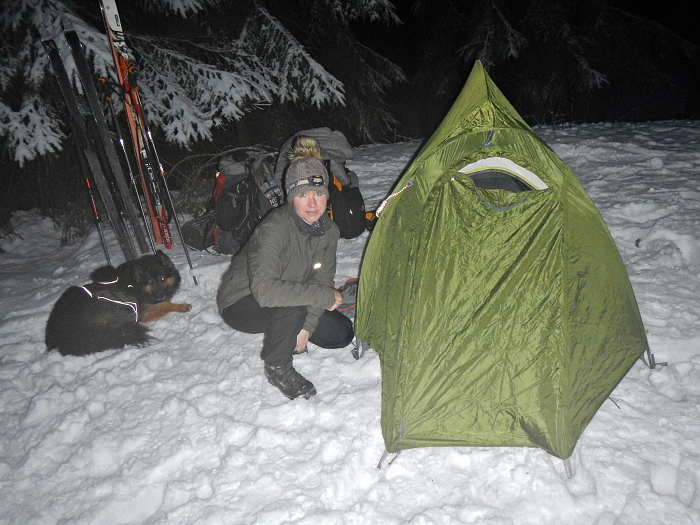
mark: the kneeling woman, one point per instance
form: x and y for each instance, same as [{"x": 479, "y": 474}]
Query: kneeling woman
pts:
[{"x": 281, "y": 283}]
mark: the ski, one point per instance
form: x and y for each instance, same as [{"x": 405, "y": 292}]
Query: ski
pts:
[
  {"x": 126, "y": 79},
  {"x": 111, "y": 163},
  {"x": 89, "y": 160},
  {"x": 155, "y": 188},
  {"x": 106, "y": 92},
  {"x": 126, "y": 76}
]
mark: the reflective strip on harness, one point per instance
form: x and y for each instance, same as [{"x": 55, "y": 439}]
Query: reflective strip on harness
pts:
[{"x": 134, "y": 306}]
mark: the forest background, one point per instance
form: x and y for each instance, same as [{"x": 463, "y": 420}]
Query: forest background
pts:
[{"x": 219, "y": 76}]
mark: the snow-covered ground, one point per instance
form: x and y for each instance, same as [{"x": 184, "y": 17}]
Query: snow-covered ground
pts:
[{"x": 188, "y": 431}]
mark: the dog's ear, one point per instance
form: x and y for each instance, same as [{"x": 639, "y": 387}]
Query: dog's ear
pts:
[{"x": 104, "y": 274}]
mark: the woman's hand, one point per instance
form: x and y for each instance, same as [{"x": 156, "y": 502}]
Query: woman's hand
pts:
[
  {"x": 302, "y": 339},
  {"x": 338, "y": 300}
]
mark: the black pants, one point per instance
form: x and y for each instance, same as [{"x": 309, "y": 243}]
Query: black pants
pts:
[{"x": 281, "y": 325}]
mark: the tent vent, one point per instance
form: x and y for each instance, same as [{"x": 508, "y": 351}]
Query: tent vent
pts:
[
  {"x": 494, "y": 173},
  {"x": 489, "y": 137},
  {"x": 498, "y": 180}
]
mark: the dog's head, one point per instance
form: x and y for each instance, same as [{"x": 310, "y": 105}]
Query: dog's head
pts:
[{"x": 151, "y": 278}]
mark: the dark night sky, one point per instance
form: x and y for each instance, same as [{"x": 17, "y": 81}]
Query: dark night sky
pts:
[{"x": 680, "y": 16}]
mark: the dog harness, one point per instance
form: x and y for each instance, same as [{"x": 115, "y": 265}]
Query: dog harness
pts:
[{"x": 110, "y": 292}]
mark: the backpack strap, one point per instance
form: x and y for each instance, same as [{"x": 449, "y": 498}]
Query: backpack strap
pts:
[{"x": 332, "y": 179}]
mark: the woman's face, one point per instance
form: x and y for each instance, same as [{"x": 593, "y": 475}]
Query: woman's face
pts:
[{"x": 310, "y": 205}]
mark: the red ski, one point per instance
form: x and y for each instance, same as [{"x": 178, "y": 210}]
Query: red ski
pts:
[
  {"x": 146, "y": 157},
  {"x": 156, "y": 195}
]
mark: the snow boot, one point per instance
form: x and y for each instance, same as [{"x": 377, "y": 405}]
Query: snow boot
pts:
[{"x": 290, "y": 382}]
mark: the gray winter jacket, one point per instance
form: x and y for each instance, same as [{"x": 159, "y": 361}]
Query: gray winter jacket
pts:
[{"x": 284, "y": 264}]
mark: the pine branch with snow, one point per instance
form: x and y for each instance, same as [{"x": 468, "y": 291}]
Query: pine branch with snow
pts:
[
  {"x": 190, "y": 85},
  {"x": 295, "y": 73}
]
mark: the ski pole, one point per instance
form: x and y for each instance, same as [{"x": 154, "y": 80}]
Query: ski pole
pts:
[
  {"x": 168, "y": 196},
  {"x": 160, "y": 214},
  {"x": 138, "y": 127},
  {"x": 98, "y": 220}
]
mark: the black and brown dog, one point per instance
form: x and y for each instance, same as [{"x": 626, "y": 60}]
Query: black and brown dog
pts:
[{"x": 109, "y": 312}]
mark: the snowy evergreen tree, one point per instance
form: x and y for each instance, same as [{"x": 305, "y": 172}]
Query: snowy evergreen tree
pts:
[{"x": 201, "y": 64}]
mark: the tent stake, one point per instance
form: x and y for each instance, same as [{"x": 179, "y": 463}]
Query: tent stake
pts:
[
  {"x": 569, "y": 467},
  {"x": 360, "y": 348},
  {"x": 389, "y": 457},
  {"x": 651, "y": 361}
]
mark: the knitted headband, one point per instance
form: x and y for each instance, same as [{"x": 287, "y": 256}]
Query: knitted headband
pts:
[{"x": 300, "y": 177}]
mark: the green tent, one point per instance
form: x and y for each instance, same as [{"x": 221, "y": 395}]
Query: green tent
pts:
[{"x": 492, "y": 290}]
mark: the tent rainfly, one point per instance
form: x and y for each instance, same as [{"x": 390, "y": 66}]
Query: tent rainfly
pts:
[{"x": 493, "y": 291}]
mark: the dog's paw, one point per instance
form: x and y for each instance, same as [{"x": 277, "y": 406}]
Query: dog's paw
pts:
[{"x": 184, "y": 307}]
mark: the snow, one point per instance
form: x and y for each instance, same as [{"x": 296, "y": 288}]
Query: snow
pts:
[{"x": 188, "y": 431}]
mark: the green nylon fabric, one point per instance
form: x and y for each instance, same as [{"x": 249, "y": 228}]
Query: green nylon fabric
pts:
[{"x": 501, "y": 318}]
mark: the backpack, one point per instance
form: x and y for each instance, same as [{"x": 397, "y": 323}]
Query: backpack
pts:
[
  {"x": 198, "y": 233},
  {"x": 333, "y": 143},
  {"x": 245, "y": 191},
  {"x": 346, "y": 206}
]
